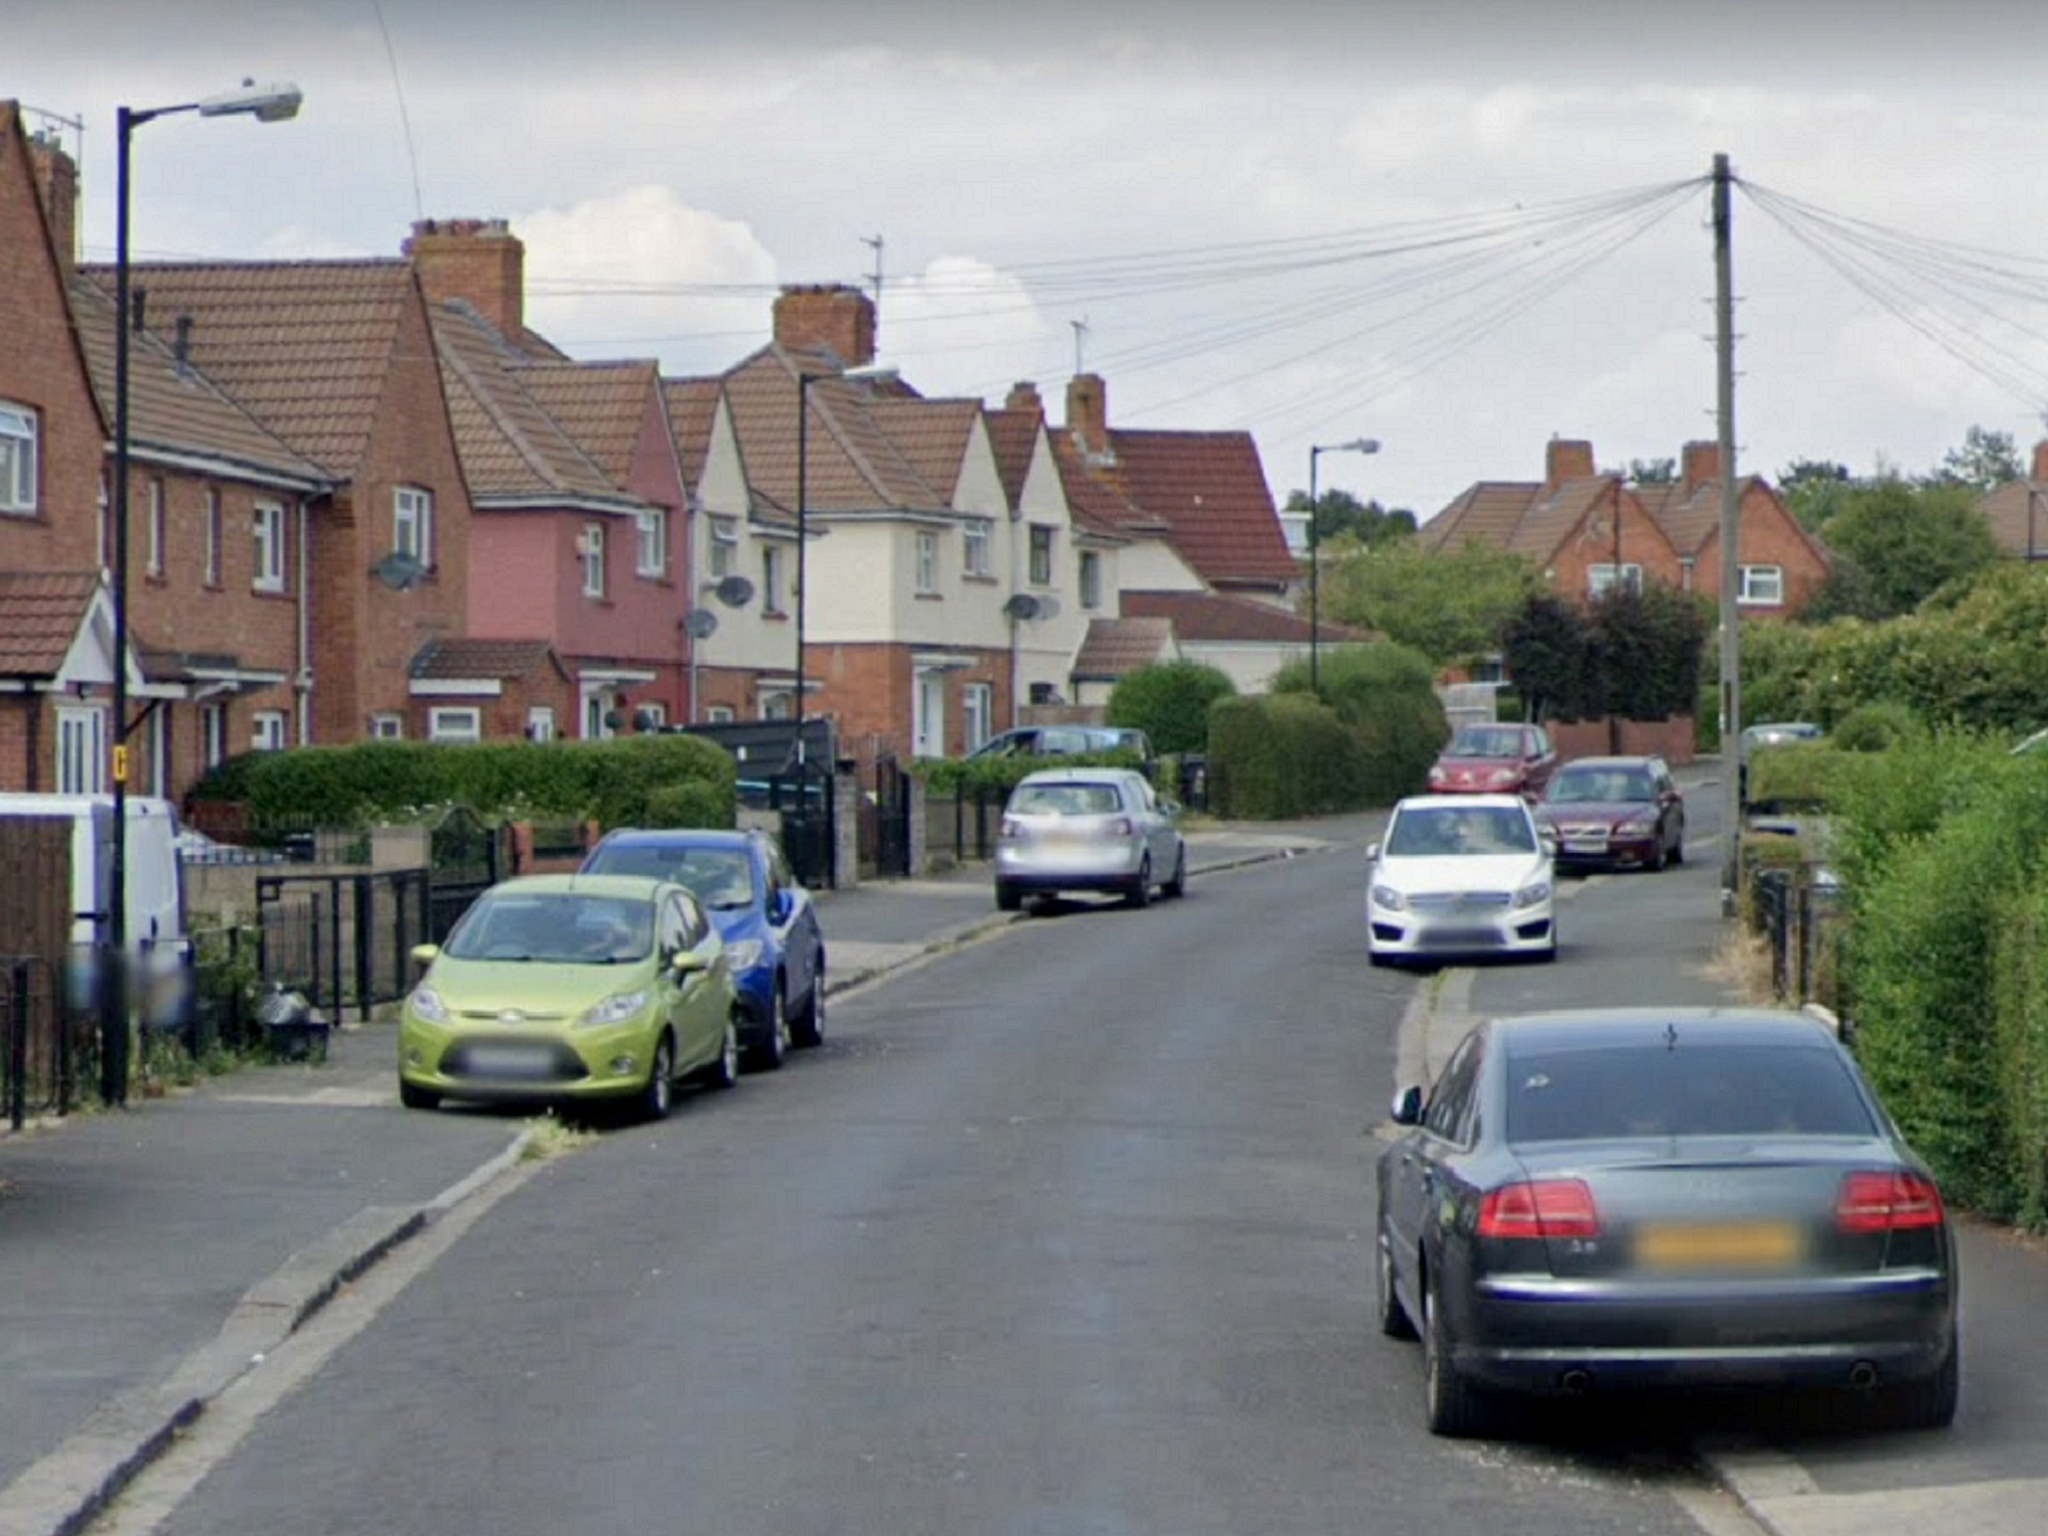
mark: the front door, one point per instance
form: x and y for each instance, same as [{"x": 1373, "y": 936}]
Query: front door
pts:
[{"x": 928, "y": 728}]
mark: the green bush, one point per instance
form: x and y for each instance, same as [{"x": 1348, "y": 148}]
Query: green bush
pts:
[
  {"x": 1387, "y": 694},
  {"x": 1876, "y": 727},
  {"x": 1282, "y": 755},
  {"x": 1170, "y": 703},
  {"x": 2019, "y": 1010},
  {"x": 695, "y": 804},
  {"x": 403, "y": 780}
]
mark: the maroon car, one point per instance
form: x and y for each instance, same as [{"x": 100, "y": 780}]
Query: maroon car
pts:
[
  {"x": 1495, "y": 760},
  {"x": 1610, "y": 811}
]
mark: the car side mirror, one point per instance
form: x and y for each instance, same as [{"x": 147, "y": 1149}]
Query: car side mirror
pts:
[
  {"x": 1408, "y": 1106},
  {"x": 687, "y": 962},
  {"x": 425, "y": 954},
  {"x": 780, "y": 906},
  {"x": 1549, "y": 842},
  {"x": 1372, "y": 853}
]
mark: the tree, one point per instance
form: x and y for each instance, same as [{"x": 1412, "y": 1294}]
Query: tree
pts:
[
  {"x": 1908, "y": 540},
  {"x": 1169, "y": 702},
  {"x": 1653, "y": 471},
  {"x": 1447, "y": 604},
  {"x": 1985, "y": 460},
  {"x": 1813, "y": 490},
  {"x": 1543, "y": 647},
  {"x": 1340, "y": 512}
]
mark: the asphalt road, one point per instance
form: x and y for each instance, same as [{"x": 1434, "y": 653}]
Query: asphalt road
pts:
[{"x": 1065, "y": 1232}]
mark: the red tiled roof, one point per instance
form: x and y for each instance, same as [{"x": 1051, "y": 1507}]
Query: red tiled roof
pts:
[
  {"x": 1114, "y": 647},
  {"x": 1206, "y": 490},
  {"x": 41, "y": 614},
  {"x": 602, "y": 406},
  {"x": 692, "y": 411},
  {"x": 931, "y": 434},
  {"x": 1222, "y": 618},
  {"x": 1097, "y": 504},
  {"x": 304, "y": 346},
  {"x": 1013, "y": 435},
  {"x": 1519, "y": 517},
  {"x": 454, "y": 660}
]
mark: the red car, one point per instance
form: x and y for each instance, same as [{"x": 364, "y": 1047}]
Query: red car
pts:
[
  {"x": 1495, "y": 760},
  {"x": 1609, "y": 811}
]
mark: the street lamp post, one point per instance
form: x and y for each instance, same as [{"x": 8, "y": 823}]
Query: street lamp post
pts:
[
  {"x": 267, "y": 104},
  {"x": 1315, "y": 617}
]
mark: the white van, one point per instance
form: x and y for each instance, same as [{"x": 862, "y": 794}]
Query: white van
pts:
[{"x": 154, "y": 877}]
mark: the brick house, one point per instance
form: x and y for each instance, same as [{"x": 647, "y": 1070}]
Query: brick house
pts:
[
  {"x": 1782, "y": 564},
  {"x": 2018, "y": 510}
]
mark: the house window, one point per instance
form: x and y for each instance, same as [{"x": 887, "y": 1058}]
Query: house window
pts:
[
  {"x": 927, "y": 562},
  {"x": 778, "y": 706},
  {"x": 718, "y": 714},
  {"x": 1091, "y": 579},
  {"x": 540, "y": 723},
  {"x": 266, "y": 730},
  {"x": 1041, "y": 555},
  {"x": 653, "y": 553},
  {"x": 458, "y": 724},
  {"x": 213, "y": 733},
  {"x": 651, "y": 716},
  {"x": 725, "y": 547},
  {"x": 213, "y": 528},
  {"x": 1600, "y": 579},
  {"x": 387, "y": 727},
  {"x": 591, "y": 546},
  {"x": 154, "y": 534},
  {"x": 269, "y": 547},
  {"x": 772, "y": 595},
  {"x": 17, "y": 459},
  {"x": 1762, "y": 586},
  {"x": 977, "y": 711},
  {"x": 412, "y": 523},
  {"x": 81, "y": 751},
  {"x": 974, "y": 547}
]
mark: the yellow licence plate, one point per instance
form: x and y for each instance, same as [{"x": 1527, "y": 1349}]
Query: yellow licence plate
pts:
[{"x": 1736, "y": 1245}]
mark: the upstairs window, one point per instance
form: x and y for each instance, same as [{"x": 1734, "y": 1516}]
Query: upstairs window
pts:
[
  {"x": 1600, "y": 579},
  {"x": 18, "y": 444},
  {"x": 1091, "y": 579},
  {"x": 1762, "y": 586},
  {"x": 154, "y": 528},
  {"x": 927, "y": 562},
  {"x": 974, "y": 541},
  {"x": 591, "y": 548},
  {"x": 412, "y": 523},
  {"x": 725, "y": 547},
  {"x": 1041, "y": 555},
  {"x": 653, "y": 551},
  {"x": 213, "y": 551},
  {"x": 773, "y": 598},
  {"x": 268, "y": 526}
]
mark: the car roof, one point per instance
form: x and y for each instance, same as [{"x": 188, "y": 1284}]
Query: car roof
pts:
[
  {"x": 1620, "y": 760},
  {"x": 1424, "y": 802},
  {"x": 1584, "y": 1028},
  {"x": 687, "y": 837},
  {"x": 645, "y": 886}
]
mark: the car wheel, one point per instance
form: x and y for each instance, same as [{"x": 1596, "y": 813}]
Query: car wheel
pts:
[
  {"x": 1178, "y": 885},
  {"x": 768, "y": 1055},
  {"x": 1008, "y": 897},
  {"x": 1394, "y": 1320},
  {"x": 1928, "y": 1403},
  {"x": 1456, "y": 1407},
  {"x": 1678, "y": 845},
  {"x": 1660, "y": 857},
  {"x": 724, "y": 1069},
  {"x": 417, "y": 1098},
  {"x": 1139, "y": 893},
  {"x": 807, "y": 1028},
  {"x": 659, "y": 1096}
]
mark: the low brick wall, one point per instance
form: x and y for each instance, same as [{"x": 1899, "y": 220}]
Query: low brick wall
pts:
[{"x": 1675, "y": 740}]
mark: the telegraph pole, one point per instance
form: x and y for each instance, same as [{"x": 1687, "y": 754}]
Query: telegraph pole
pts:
[{"x": 1731, "y": 499}]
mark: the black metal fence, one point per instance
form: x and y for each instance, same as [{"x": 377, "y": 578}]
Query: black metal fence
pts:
[
  {"x": 49, "y": 1048},
  {"x": 1797, "y": 908},
  {"x": 344, "y": 940}
]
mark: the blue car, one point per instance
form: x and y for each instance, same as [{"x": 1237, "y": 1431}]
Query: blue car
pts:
[{"x": 767, "y": 920}]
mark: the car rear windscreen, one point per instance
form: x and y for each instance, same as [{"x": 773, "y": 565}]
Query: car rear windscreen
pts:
[
  {"x": 1066, "y": 800},
  {"x": 1687, "y": 1088}
]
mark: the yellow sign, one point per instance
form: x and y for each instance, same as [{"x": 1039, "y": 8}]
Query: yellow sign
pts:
[{"x": 120, "y": 765}]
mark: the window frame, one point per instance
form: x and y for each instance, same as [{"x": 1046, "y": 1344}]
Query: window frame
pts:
[
  {"x": 387, "y": 725},
  {"x": 1039, "y": 566},
  {"x": 927, "y": 563},
  {"x": 412, "y": 523},
  {"x": 590, "y": 549},
  {"x": 213, "y": 734},
  {"x": 154, "y": 530},
  {"x": 215, "y": 528},
  {"x": 977, "y": 714},
  {"x": 441, "y": 715},
  {"x": 976, "y": 538},
  {"x": 1747, "y": 598},
  {"x": 650, "y": 555},
  {"x": 1600, "y": 578},
  {"x": 540, "y": 722},
  {"x": 774, "y": 599},
  {"x": 723, "y": 557},
  {"x": 21, "y": 460},
  {"x": 268, "y": 546},
  {"x": 1088, "y": 577},
  {"x": 81, "y": 749},
  {"x": 268, "y": 731}
]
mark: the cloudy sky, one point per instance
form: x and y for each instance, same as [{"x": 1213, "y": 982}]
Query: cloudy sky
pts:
[{"x": 1459, "y": 228}]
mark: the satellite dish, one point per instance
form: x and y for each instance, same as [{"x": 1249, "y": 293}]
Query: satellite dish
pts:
[
  {"x": 700, "y": 623},
  {"x": 1048, "y": 607},
  {"x": 734, "y": 591},
  {"x": 399, "y": 571},
  {"x": 1021, "y": 606}
]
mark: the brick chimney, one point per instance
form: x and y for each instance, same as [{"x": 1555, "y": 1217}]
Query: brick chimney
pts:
[
  {"x": 833, "y": 316},
  {"x": 1567, "y": 458},
  {"x": 477, "y": 260},
  {"x": 1088, "y": 413},
  {"x": 1024, "y": 397},
  {"x": 2041, "y": 460},
  {"x": 1700, "y": 464},
  {"x": 56, "y": 176}
]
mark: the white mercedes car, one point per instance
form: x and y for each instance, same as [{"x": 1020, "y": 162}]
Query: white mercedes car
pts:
[{"x": 1460, "y": 876}]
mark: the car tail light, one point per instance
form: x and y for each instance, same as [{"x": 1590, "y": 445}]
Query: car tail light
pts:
[
  {"x": 1011, "y": 827},
  {"x": 1539, "y": 1208},
  {"x": 1887, "y": 1202},
  {"x": 1122, "y": 827}
]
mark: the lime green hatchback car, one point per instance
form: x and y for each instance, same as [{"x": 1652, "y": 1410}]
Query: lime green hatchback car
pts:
[{"x": 571, "y": 989}]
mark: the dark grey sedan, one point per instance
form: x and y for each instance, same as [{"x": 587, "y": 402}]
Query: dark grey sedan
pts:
[{"x": 1623, "y": 1198}]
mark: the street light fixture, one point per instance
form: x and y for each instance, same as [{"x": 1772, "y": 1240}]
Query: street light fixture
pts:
[
  {"x": 1315, "y": 618},
  {"x": 267, "y": 104}
]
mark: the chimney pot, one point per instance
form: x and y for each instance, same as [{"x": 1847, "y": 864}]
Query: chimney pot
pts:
[
  {"x": 1702, "y": 465},
  {"x": 1088, "y": 413},
  {"x": 833, "y": 317},
  {"x": 1567, "y": 458},
  {"x": 1024, "y": 396},
  {"x": 2041, "y": 460},
  {"x": 479, "y": 261},
  {"x": 56, "y": 177}
]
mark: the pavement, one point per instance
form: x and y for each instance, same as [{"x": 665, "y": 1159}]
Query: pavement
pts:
[{"x": 151, "y": 1257}]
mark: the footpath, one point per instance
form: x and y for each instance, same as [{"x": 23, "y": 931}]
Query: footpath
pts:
[{"x": 150, "y": 1257}]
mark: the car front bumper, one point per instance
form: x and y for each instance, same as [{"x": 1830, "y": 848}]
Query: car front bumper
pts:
[
  {"x": 1406, "y": 932},
  {"x": 460, "y": 1061}
]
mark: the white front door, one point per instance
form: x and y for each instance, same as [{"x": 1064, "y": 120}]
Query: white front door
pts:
[
  {"x": 928, "y": 728},
  {"x": 81, "y": 751}
]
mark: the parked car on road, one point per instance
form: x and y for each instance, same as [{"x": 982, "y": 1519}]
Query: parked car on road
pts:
[
  {"x": 572, "y": 989},
  {"x": 1460, "y": 875},
  {"x": 773, "y": 939},
  {"x": 1769, "y": 733},
  {"x": 1089, "y": 829},
  {"x": 1066, "y": 741},
  {"x": 1495, "y": 759},
  {"x": 1614, "y": 1199},
  {"x": 1605, "y": 812}
]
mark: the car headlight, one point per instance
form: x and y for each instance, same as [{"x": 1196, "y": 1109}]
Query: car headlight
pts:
[
  {"x": 616, "y": 1009},
  {"x": 1638, "y": 826},
  {"x": 1502, "y": 778},
  {"x": 1438, "y": 774},
  {"x": 1386, "y": 896},
  {"x": 426, "y": 1002},
  {"x": 744, "y": 954},
  {"x": 1532, "y": 895}
]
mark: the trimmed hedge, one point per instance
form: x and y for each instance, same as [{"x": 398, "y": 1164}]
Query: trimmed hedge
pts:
[
  {"x": 611, "y": 781},
  {"x": 1282, "y": 755},
  {"x": 1170, "y": 702}
]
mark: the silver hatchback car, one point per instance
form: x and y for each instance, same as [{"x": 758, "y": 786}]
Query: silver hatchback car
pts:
[{"x": 1089, "y": 829}]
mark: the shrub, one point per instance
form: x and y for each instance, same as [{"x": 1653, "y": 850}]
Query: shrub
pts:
[
  {"x": 1170, "y": 703},
  {"x": 694, "y": 804},
  {"x": 1282, "y": 755},
  {"x": 1387, "y": 695},
  {"x": 1876, "y": 727}
]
